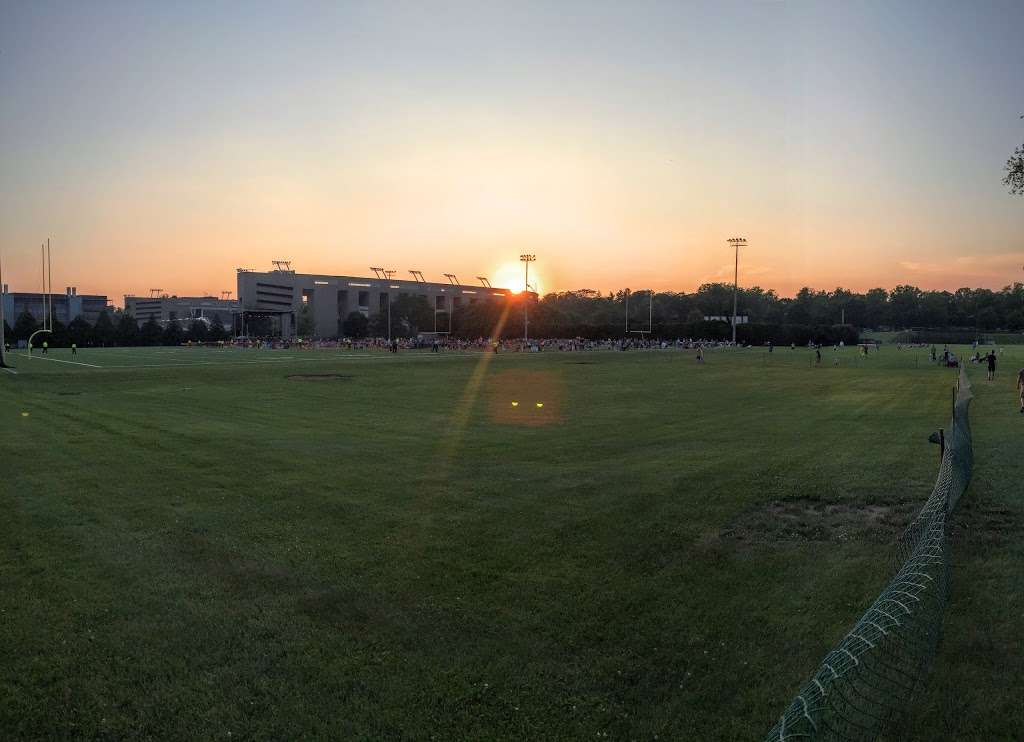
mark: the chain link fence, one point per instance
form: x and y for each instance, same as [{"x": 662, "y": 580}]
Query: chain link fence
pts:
[{"x": 863, "y": 685}]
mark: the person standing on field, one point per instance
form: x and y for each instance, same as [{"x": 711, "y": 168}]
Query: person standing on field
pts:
[
  {"x": 991, "y": 358},
  {"x": 46, "y": 348},
  {"x": 1020, "y": 388},
  {"x": 74, "y": 349}
]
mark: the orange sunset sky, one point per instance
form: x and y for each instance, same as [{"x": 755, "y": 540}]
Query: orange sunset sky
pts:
[{"x": 164, "y": 146}]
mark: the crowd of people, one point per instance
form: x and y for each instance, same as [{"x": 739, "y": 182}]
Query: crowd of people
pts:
[{"x": 446, "y": 344}]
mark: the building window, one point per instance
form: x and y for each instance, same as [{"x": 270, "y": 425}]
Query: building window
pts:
[
  {"x": 364, "y": 298},
  {"x": 439, "y": 302}
]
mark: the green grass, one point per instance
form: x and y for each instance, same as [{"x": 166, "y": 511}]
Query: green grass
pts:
[{"x": 195, "y": 546}]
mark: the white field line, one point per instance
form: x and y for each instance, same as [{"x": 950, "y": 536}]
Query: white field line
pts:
[
  {"x": 10, "y": 370},
  {"x": 58, "y": 360}
]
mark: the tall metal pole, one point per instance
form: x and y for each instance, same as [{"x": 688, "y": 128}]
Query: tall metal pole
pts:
[
  {"x": 387, "y": 275},
  {"x": 650, "y": 315},
  {"x": 49, "y": 273},
  {"x": 627, "y": 311},
  {"x": 736, "y": 242},
  {"x": 527, "y": 259},
  {"x": 526, "y": 303},
  {"x": 42, "y": 258},
  {"x": 735, "y": 292}
]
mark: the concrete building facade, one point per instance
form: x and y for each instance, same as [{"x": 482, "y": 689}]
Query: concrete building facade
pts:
[
  {"x": 281, "y": 294},
  {"x": 183, "y": 309},
  {"x": 66, "y": 306}
]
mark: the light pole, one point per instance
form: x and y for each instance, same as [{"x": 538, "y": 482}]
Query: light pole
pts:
[
  {"x": 526, "y": 260},
  {"x": 736, "y": 242},
  {"x": 387, "y": 275}
]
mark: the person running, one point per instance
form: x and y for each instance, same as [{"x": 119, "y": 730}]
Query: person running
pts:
[
  {"x": 74, "y": 349},
  {"x": 991, "y": 358},
  {"x": 817, "y": 355},
  {"x": 46, "y": 347},
  {"x": 1020, "y": 388}
]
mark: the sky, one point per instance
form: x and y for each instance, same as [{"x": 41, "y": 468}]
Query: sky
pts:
[{"x": 164, "y": 145}]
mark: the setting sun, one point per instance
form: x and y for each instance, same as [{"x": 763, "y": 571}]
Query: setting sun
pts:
[{"x": 510, "y": 276}]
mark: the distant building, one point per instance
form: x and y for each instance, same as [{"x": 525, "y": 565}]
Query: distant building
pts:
[
  {"x": 66, "y": 307},
  {"x": 281, "y": 294},
  {"x": 182, "y": 309}
]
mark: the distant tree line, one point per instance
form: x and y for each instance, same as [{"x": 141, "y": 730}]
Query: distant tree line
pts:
[
  {"x": 810, "y": 315},
  {"x": 116, "y": 328},
  {"x": 822, "y": 316}
]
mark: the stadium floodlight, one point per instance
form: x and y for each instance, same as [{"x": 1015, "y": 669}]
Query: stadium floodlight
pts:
[
  {"x": 452, "y": 279},
  {"x": 737, "y": 243},
  {"x": 526, "y": 260},
  {"x": 225, "y": 296},
  {"x": 418, "y": 276},
  {"x": 378, "y": 273},
  {"x": 387, "y": 274},
  {"x": 484, "y": 282},
  {"x": 282, "y": 266}
]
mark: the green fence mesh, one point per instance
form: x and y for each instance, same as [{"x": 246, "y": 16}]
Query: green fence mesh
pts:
[{"x": 864, "y": 684}]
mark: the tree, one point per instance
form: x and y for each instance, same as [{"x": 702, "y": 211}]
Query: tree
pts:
[
  {"x": 58, "y": 337},
  {"x": 24, "y": 326},
  {"x": 79, "y": 331},
  {"x": 305, "y": 325},
  {"x": 411, "y": 315},
  {"x": 127, "y": 332},
  {"x": 876, "y": 308},
  {"x": 905, "y": 303},
  {"x": 197, "y": 331},
  {"x": 355, "y": 326},
  {"x": 217, "y": 330},
  {"x": 1014, "y": 179},
  {"x": 103, "y": 332},
  {"x": 150, "y": 333},
  {"x": 173, "y": 334},
  {"x": 934, "y": 310}
]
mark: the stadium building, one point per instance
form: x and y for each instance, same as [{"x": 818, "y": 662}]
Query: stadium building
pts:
[
  {"x": 282, "y": 294},
  {"x": 183, "y": 309},
  {"x": 66, "y": 307}
]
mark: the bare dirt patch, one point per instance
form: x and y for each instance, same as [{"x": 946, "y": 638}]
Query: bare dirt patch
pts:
[
  {"x": 807, "y": 520},
  {"x": 317, "y": 377}
]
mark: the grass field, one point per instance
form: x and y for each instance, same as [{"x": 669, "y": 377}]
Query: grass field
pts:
[{"x": 196, "y": 546}]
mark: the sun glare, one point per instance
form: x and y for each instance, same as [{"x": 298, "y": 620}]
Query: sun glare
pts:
[{"x": 510, "y": 276}]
